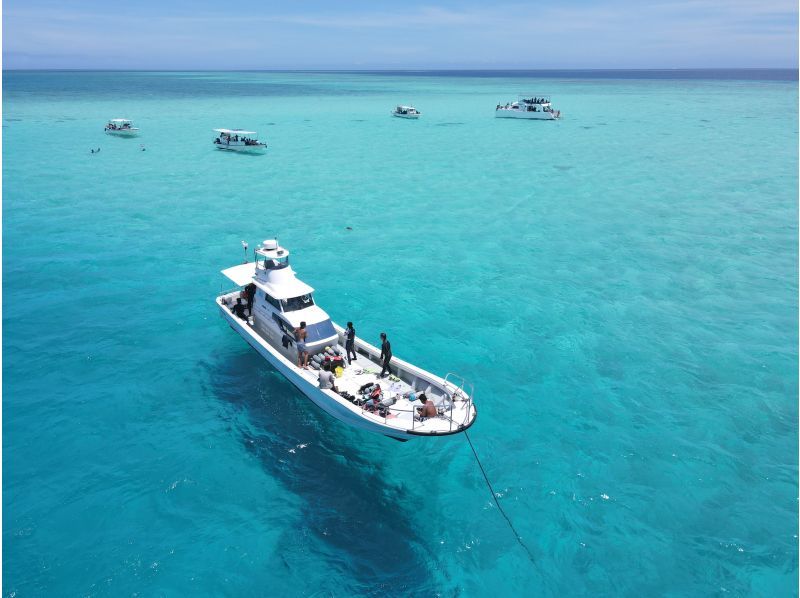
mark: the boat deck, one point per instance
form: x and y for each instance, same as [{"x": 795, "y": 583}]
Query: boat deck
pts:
[{"x": 403, "y": 413}]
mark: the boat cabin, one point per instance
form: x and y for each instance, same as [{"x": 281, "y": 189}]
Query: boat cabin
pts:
[
  {"x": 534, "y": 104},
  {"x": 282, "y": 301}
]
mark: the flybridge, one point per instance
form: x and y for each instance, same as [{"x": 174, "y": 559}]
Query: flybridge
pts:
[{"x": 270, "y": 272}]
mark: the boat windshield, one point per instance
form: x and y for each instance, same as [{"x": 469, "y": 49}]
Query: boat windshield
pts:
[
  {"x": 296, "y": 303},
  {"x": 319, "y": 331}
]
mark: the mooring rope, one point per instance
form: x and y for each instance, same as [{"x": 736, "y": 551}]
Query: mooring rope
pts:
[{"x": 497, "y": 502}]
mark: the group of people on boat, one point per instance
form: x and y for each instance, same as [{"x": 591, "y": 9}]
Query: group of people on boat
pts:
[
  {"x": 530, "y": 106},
  {"x": 515, "y": 105},
  {"x": 227, "y": 139},
  {"x": 243, "y": 309},
  {"x": 115, "y": 127},
  {"x": 349, "y": 345}
]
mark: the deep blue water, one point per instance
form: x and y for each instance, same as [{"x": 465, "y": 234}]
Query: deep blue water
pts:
[{"x": 620, "y": 286}]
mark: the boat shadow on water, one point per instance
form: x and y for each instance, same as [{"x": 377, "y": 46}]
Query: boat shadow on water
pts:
[{"x": 362, "y": 521}]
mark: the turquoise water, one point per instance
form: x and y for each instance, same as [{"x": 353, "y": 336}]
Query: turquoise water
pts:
[{"x": 621, "y": 287}]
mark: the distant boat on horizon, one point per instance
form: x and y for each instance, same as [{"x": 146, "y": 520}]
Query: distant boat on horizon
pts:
[
  {"x": 531, "y": 108},
  {"x": 406, "y": 112},
  {"x": 121, "y": 127},
  {"x": 239, "y": 140}
]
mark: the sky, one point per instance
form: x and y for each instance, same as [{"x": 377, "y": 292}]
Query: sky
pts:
[{"x": 413, "y": 34}]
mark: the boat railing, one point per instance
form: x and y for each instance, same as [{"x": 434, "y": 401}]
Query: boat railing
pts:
[
  {"x": 459, "y": 388},
  {"x": 455, "y": 388}
]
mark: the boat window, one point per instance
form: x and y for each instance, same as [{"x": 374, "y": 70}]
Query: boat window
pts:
[
  {"x": 272, "y": 301},
  {"x": 296, "y": 303},
  {"x": 319, "y": 331},
  {"x": 283, "y": 325}
]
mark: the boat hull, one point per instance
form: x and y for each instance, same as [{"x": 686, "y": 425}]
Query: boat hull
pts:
[
  {"x": 120, "y": 133},
  {"x": 407, "y": 116},
  {"x": 242, "y": 149},
  {"x": 503, "y": 113}
]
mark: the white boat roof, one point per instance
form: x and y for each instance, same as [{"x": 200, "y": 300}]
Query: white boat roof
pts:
[
  {"x": 282, "y": 283},
  {"x": 120, "y": 120},
  {"x": 235, "y": 131},
  {"x": 242, "y": 274},
  {"x": 405, "y": 107}
]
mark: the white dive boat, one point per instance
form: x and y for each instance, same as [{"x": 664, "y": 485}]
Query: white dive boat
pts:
[
  {"x": 406, "y": 112},
  {"x": 282, "y": 302},
  {"x": 238, "y": 140},
  {"x": 122, "y": 127},
  {"x": 533, "y": 108}
]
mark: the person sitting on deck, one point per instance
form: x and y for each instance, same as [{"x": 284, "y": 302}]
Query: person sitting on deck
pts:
[
  {"x": 326, "y": 378},
  {"x": 428, "y": 409},
  {"x": 374, "y": 399},
  {"x": 238, "y": 309}
]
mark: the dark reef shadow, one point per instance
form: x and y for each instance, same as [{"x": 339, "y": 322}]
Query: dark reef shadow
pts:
[{"x": 347, "y": 501}]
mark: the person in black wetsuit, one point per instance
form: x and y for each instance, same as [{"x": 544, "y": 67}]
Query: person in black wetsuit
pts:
[
  {"x": 350, "y": 342},
  {"x": 250, "y": 293},
  {"x": 386, "y": 354},
  {"x": 238, "y": 309}
]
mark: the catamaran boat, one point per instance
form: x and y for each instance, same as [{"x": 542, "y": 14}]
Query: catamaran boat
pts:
[
  {"x": 533, "y": 108},
  {"x": 406, "y": 112},
  {"x": 122, "y": 127},
  {"x": 282, "y": 302},
  {"x": 238, "y": 140}
]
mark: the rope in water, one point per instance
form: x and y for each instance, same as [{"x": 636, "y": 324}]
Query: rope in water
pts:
[{"x": 497, "y": 502}]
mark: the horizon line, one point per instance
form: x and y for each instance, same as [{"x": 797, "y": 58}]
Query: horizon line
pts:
[{"x": 406, "y": 70}]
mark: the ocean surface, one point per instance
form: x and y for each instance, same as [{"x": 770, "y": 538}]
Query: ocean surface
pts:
[{"x": 620, "y": 286}]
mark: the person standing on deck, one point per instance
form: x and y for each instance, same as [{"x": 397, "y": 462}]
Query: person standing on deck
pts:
[
  {"x": 350, "y": 342},
  {"x": 302, "y": 352},
  {"x": 250, "y": 293},
  {"x": 386, "y": 354}
]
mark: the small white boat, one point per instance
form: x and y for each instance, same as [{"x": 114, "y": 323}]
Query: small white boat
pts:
[
  {"x": 281, "y": 302},
  {"x": 121, "y": 127},
  {"x": 532, "y": 108},
  {"x": 238, "y": 140},
  {"x": 406, "y": 112}
]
